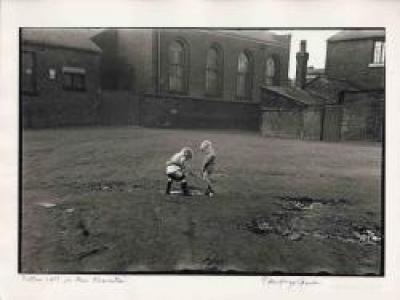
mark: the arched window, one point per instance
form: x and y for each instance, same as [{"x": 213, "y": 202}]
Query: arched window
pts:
[
  {"x": 269, "y": 71},
  {"x": 271, "y": 76},
  {"x": 177, "y": 67},
  {"x": 213, "y": 71},
  {"x": 243, "y": 84}
]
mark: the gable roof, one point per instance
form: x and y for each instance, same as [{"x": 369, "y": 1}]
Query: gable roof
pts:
[
  {"x": 69, "y": 38},
  {"x": 357, "y": 35}
]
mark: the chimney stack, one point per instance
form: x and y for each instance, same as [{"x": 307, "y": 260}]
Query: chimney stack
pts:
[{"x": 301, "y": 66}]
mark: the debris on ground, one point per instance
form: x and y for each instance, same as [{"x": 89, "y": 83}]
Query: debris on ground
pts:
[
  {"x": 106, "y": 186},
  {"x": 260, "y": 226},
  {"x": 46, "y": 204},
  {"x": 295, "y": 236},
  {"x": 367, "y": 236},
  {"x": 290, "y": 225},
  {"x": 308, "y": 203},
  {"x": 193, "y": 191}
]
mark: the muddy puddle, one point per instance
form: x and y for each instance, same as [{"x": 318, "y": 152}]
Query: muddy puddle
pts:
[{"x": 293, "y": 222}]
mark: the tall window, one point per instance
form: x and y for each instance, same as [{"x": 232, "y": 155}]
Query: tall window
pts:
[
  {"x": 213, "y": 72},
  {"x": 243, "y": 84},
  {"x": 379, "y": 53},
  {"x": 74, "y": 79},
  {"x": 270, "y": 71},
  {"x": 28, "y": 72},
  {"x": 176, "y": 80}
]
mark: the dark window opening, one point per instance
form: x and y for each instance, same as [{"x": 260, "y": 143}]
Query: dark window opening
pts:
[
  {"x": 74, "y": 79},
  {"x": 29, "y": 72}
]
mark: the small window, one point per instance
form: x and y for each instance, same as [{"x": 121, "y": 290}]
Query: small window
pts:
[
  {"x": 243, "y": 81},
  {"x": 177, "y": 67},
  {"x": 28, "y": 72},
  {"x": 74, "y": 79},
  {"x": 213, "y": 72},
  {"x": 379, "y": 53}
]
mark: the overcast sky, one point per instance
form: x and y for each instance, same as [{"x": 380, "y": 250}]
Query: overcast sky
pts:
[{"x": 316, "y": 46}]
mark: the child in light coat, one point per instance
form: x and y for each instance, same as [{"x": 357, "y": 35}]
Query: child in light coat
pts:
[
  {"x": 176, "y": 168},
  {"x": 208, "y": 165}
]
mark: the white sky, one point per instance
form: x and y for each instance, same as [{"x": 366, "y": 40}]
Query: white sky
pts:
[{"x": 316, "y": 46}]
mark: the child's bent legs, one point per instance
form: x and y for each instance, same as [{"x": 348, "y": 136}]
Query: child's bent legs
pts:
[{"x": 177, "y": 177}]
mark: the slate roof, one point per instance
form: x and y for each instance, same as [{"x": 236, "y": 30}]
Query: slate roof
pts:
[
  {"x": 68, "y": 38},
  {"x": 264, "y": 36},
  {"x": 317, "y": 91},
  {"x": 329, "y": 89},
  {"x": 357, "y": 35},
  {"x": 300, "y": 96},
  {"x": 315, "y": 71}
]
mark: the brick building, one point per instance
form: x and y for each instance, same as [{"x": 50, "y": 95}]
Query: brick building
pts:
[
  {"x": 59, "y": 77},
  {"x": 357, "y": 56},
  {"x": 194, "y": 77},
  {"x": 355, "y": 79},
  {"x": 345, "y": 102}
]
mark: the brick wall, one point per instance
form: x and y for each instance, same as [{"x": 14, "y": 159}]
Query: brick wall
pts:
[
  {"x": 184, "y": 112},
  {"x": 350, "y": 60},
  {"x": 363, "y": 118},
  {"x": 142, "y": 49},
  {"x": 282, "y": 123},
  {"x": 52, "y": 105},
  {"x": 282, "y": 117},
  {"x": 118, "y": 108},
  {"x": 199, "y": 42}
]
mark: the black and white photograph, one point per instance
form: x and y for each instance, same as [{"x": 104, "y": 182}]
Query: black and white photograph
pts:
[{"x": 199, "y": 150}]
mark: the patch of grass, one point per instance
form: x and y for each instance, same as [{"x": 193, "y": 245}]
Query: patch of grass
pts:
[{"x": 112, "y": 215}]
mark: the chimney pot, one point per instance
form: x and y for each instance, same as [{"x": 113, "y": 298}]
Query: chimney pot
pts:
[
  {"x": 301, "y": 66},
  {"x": 303, "y": 46}
]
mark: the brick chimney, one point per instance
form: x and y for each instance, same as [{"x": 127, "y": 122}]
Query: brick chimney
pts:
[{"x": 301, "y": 66}]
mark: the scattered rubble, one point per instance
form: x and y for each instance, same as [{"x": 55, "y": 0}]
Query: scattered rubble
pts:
[{"x": 291, "y": 223}]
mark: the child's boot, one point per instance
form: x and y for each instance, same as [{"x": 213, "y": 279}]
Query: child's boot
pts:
[
  {"x": 209, "y": 191},
  {"x": 185, "y": 189},
  {"x": 169, "y": 185}
]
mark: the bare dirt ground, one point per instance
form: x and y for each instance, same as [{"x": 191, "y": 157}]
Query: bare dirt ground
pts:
[{"x": 93, "y": 202}]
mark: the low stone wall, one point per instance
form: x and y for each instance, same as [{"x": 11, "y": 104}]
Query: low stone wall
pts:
[
  {"x": 118, "y": 108},
  {"x": 186, "y": 112},
  {"x": 294, "y": 123},
  {"x": 43, "y": 114},
  {"x": 312, "y": 120}
]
